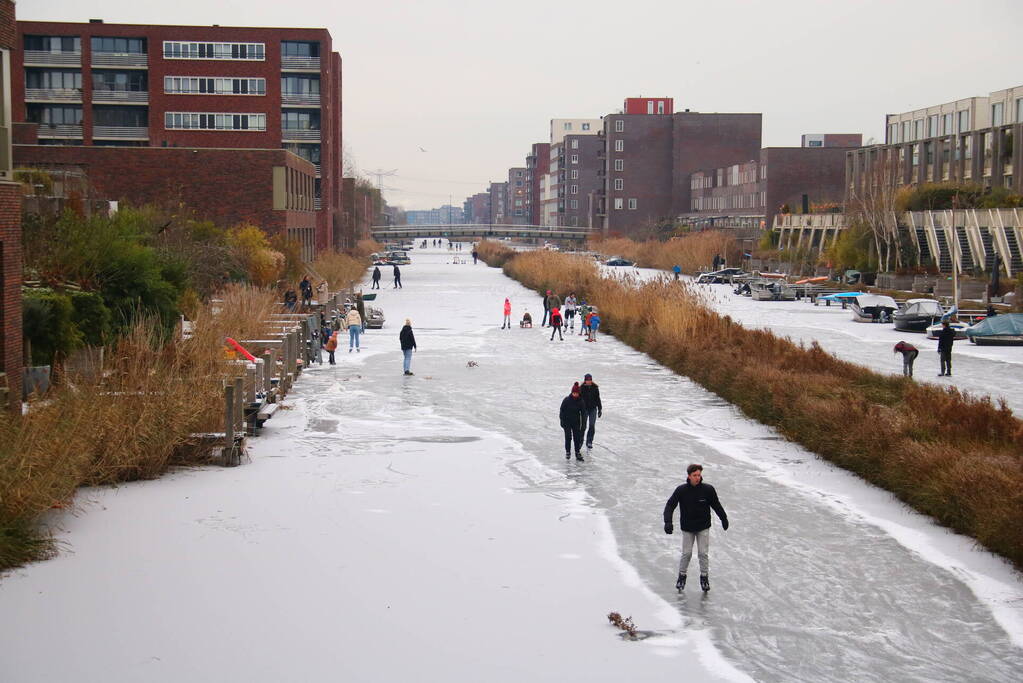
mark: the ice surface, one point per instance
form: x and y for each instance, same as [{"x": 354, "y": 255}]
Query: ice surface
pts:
[{"x": 429, "y": 528}]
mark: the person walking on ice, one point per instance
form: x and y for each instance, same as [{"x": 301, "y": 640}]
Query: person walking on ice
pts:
[
  {"x": 408, "y": 345},
  {"x": 592, "y": 325},
  {"x": 556, "y": 323},
  {"x": 695, "y": 500},
  {"x": 354, "y": 322},
  {"x": 909, "y": 354},
  {"x": 397, "y": 277},
  {"x": 573, "y": 420},
  {"x": 594, "y": 408},
  {"x": 507, "y": 315},
  {"x": 376, "y": 277},
  {"x": 946, "y": 336},
  {"x": 570, "y": 305}
]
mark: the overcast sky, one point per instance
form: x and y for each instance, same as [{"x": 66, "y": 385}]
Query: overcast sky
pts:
[{"x": 476, "y": 83}]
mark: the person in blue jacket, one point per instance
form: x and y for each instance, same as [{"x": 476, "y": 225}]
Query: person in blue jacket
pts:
[{"x": 695, "y": 500}]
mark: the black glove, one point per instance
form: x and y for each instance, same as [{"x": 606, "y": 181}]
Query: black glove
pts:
[
  {"x": 724, "y": 524},
  {"x": 600, "y": 412},
  {"x": 668, "y": 527}
]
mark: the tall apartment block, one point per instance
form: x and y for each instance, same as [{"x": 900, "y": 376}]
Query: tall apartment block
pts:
[
  {"x": 577, "y": 177},
  {"x": 94, "y": 85},
  {"x": 517, "y": 212},
  {"x": 970, "y": 140},
  {"x": 550, "y": 202},
  {"x": 649, "y": 158},
  {"x": 476, "y": 209},
  {"x": 538, "y": 165},
  {"x": 498, "y": 203}
]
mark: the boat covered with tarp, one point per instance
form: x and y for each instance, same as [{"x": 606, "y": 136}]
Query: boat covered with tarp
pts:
[
  {"x": 873, "y": 308},
  {"x": 916, "y": 315},
  {"x": 1005, "y": 328}
]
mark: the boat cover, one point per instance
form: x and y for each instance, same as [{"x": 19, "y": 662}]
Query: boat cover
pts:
[
  {"x": 865, "y": 300},
  {"x": 1004, "y": 324},
  {"x": 840, "y": 295}
]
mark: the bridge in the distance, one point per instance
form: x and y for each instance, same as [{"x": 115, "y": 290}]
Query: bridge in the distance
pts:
[{"x": 465, "y": 230}]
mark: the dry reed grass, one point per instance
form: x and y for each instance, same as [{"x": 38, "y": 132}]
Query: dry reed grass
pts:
[
  {"x": 133, "y": 424},
  {"x": 692, "y": 252},
  {"x": 949, "y": 455},
  {"x": 340, "y": 270}
]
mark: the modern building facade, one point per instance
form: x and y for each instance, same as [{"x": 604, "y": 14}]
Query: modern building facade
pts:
[
  {"x": 578, "y": 173},
  {"x": 11, "y": 366},
  {"x": 831, "y": 140},
  {"x": 476, "y": 209},
  {"x": 538, "y": 165},
  {"x": 970, "y": 140},
  {"x": 517, "y": 212},
  {"x": 498, "y": 203},
  {"x": 650, "y": 157},
  {"x": 119, "y": 85},
  {"x": 443, "y": 215},
  {"x": 649, "y": 105},
  {"x": 549, "y": 200}
]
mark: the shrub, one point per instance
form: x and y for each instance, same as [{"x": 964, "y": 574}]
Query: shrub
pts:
[{"x": 47, "y": 325}]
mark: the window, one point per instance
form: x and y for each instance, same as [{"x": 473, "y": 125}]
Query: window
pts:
[
  {"x": 619, "y": 164},
  {"x": 660, "y": 108},
  {"x": 126, "y": 117},
  {"x": 575, "y": 175},
  {"x": 299, "y": 119},
  {"x": 632, "y": 204},
  {"x": 54, "y": 115},
  {"x": 1019, "y": 110},
  {"x": 295, "y": 48},
  {"x": 568, "y": 126},
  {"x": 586, "y": 126},
  {"x": 918, "y": 129},
  {"x": 518, "y": 174},
  {"x": 53, "y": 44},
  {"x": 916, "y": 155},
  {"x": 300, "y": 85},
  {"x": 947, "y": 125},
  {"x": 907, "y": 133},
  {"x": 893, "y": 133},
  {"x": 209, "y": 85},
  {"x": 56, "y": 79},
  {"x": 119, "y": 81},
  {"x": 997, "y": 114},
  {"x": 574, "y": 189},
  {"x": 573, "y": 203},
  {"x": 618, "y": 203},
  {"x": 575, "y": 144},
  {"x": 619, "y": 184},
  {"x": 932, "y": 126},
  {"x": 649, "y": 106},
  {"x": 619, "y": 145},
  {"x": 964, "y": 120},
  {"x": 213, "y": 121},
  {"x": 176, "y": 49},
  {"x": 619, "y": 125},
  {"x": 119, "y": 46},
  {"x": 310, "y": 153},
  {"x": 574, "y": 159}
]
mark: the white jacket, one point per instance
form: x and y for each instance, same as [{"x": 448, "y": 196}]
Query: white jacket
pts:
[{"x": 353, "y": 318}]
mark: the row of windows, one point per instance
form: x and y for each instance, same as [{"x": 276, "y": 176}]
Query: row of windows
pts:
[
  {"x": 56, "y": 115},
  {"x": 633, "y": 204},
  {"x": 57, "y": 79},
  {"x": 175, "y": 49},
  {"x": 212, "y": 121},
  {"x": 129, "y": 46},
  {"x": 583, "y": 126},
  {"x": 200, "y": 85},
  {"x": 731, "y": 201},
  {"x": 55, "y": 44}
]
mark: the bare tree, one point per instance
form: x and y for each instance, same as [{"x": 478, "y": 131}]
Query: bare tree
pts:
[{"x": 873, "y": 203}]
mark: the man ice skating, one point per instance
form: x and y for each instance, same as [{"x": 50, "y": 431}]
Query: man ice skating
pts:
[
  {"x": 408, "y": 345},
  {"x": 573, "y": 419},
  {"x": 946, "y": 336},
  {"x": 397, "y": 277},
  {"x": 594, "y": 409},
  {"x": 546, "y": 308},
  {"x": 909, "y": 354},
  {"x": 376, "y": 277},
  {"x": 569, "y": 310},
  {"x": 695, "y": 500}
]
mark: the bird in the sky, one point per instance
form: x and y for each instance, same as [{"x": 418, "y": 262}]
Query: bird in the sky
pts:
[{"x": 421, "y": 149}]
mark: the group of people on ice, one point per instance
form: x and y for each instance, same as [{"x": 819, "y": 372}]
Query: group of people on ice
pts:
[{"x": 560, "y": 316}]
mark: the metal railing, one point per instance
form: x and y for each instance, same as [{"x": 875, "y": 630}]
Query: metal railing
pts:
[
  {"x": 480, "y": 230},
  {"x": 317, "y": 203},
  {"x": 45, "y": 58},
  {"x": 120, "y": 59},
  {"x": 302, "y": 63},
  {"x": 317, "y": 170},
  {"x": 60, "y": 130},
  {"x": 123, "y": 96},
  {"x": 121, "y": 132},
  {"x": 300, "y": 99},
  {"x": 288, "y": 135},
  {"x": 53, "y": 95}
]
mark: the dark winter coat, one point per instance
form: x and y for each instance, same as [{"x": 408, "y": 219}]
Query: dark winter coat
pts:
[
  {"x": 573, "y": 413},
  {"x": 397, "y": 273},
  {"x": 408, "y": 340},
  {"x": 554, "y": 301},
  {"x": 591, "y": 396},
  {"x": 946, "y": 335},
  {"x": 376, "y": 274},
  {"x": 694, "y": 503},
  {"x": 546, "y": 305}
]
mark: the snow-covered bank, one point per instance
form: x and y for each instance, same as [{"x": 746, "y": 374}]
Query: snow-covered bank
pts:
[{"x": 430, "y": 527}]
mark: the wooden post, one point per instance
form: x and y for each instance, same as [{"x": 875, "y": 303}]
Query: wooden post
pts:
[
  {"x": 228, "y": 424},
  {"x": 271, "y": 369},
  {"x": 239, "y": 403},
  {"x": 260, "y": 383},
  {"x": 250, "y": 382}
]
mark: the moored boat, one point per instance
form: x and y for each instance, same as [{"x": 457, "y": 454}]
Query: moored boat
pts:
[
  {"x": 1005, "y": 328},
  {"x": 771, "y": 290},
  {"x": 916, "y": 315},
  {"x": 873, "y": 308}
]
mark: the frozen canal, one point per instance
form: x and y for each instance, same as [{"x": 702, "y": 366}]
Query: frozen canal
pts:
[{"x": 429, "y": 528}]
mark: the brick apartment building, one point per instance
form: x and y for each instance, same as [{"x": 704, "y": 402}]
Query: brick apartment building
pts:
[
  {"x": 538, "y": 165},
  {"x": 550, "y": 202},
  {"x": 749, "y": 194},
  {"x": 579, "y": 161},
  {"x": 649, "y": 158},
  {"x": 969, "y": 140},
  {"x": 476, "y": 209},
  {"x": 94, "y": 85},
  {"x": 517, "y": 212},
  {"x": 498, "y": 203},
  {"x": 10, "y": 229}
]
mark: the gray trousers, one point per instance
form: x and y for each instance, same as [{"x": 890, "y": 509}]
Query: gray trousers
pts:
[{"x": 702, "y": 539}]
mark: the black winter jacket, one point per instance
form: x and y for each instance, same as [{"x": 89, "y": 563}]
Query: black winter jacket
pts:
[
  {"x": 591, "y": 396},
  {"x": 694, "y": 503},
  {"x": 408, "y": 340},
  {"x": 573, "y": 413},
  {"x": 946, "y": 335},
  {"x": 376, "y": 273}
]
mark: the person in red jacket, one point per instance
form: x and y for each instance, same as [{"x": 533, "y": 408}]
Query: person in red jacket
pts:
[
  {"x": 507, "y": 315},
  {"x": 909, "y": 354},
  {"x": 556, "y": 323}
]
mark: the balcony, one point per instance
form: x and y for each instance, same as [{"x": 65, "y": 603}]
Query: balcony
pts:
[
  {"x": 43, "y": 58},
  {"x": 61, "y": 130},
  {"x": 120, "y": 133},
  {"x": 121, "y": 96},
  {"x": 300, "y": 63},
  {"x": 317, "y": 170},
  {"x": 300, "y": 100},
  {"x": 123, "y": 60},
  {"x": 317, "y": 204},
  {"x": 45, "y": 95},
  {"x": 300, "y": 135}
]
